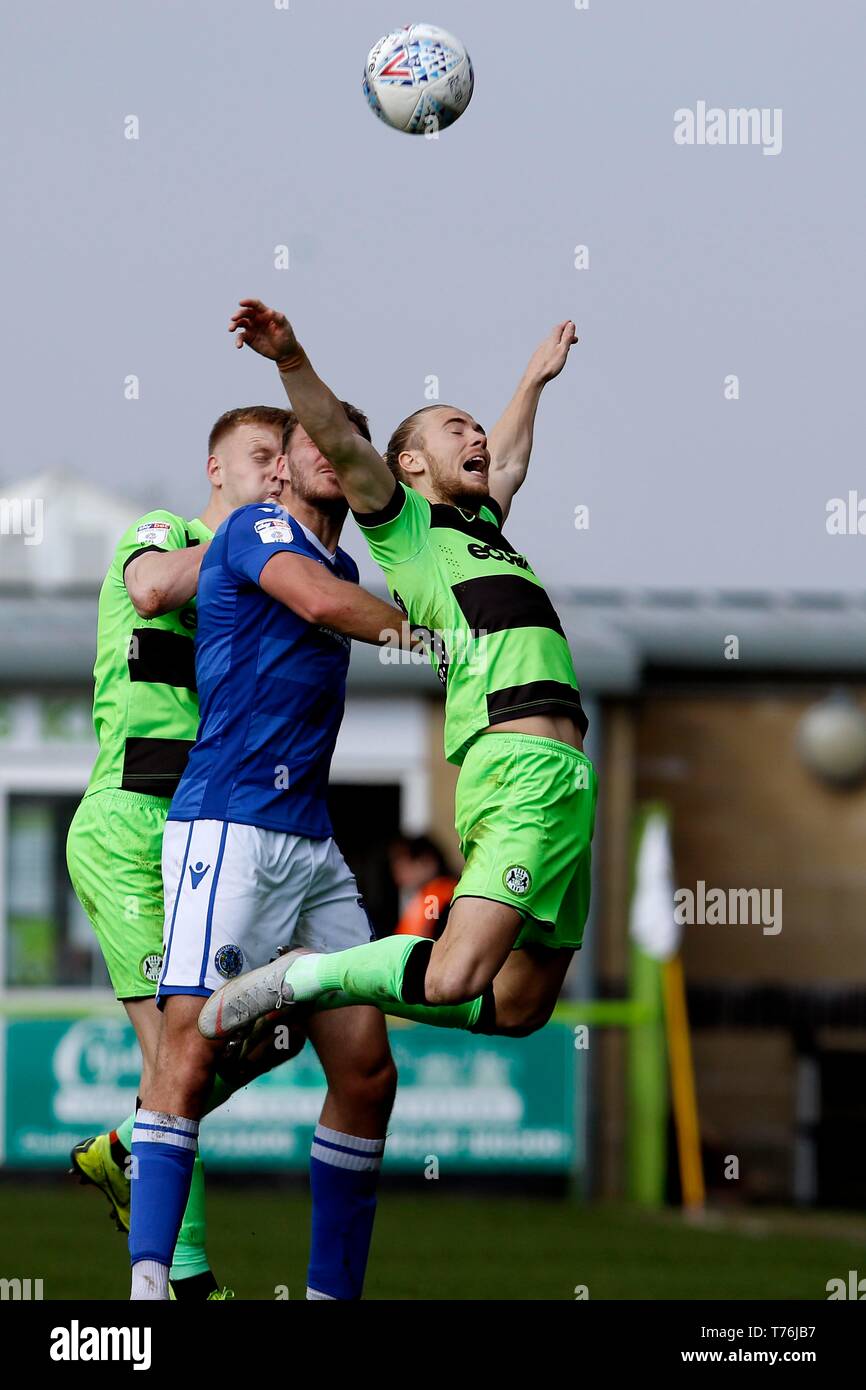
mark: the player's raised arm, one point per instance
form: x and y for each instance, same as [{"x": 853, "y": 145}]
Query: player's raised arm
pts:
[
  {"x": 510, "y": 440},
  {"x": 364, "y": 476}
]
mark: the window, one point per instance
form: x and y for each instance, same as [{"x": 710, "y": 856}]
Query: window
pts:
[{"x": 49, "y": 940}]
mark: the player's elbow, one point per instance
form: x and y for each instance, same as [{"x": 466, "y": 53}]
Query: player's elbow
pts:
[
  {"x": 147, "y": 602},
  {"x": 320, "y": 607}
]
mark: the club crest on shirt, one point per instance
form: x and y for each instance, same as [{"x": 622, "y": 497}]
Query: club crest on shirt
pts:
[
  {"x": 274, "y": 528},
  {"x": 229, "y": 961}
]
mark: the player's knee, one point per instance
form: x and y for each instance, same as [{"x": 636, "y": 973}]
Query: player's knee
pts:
[
  {"x": 518, "y": 1020},
  {"x": 185, "y": 1066},
  {"x": 453, "y": 984},
  {"x": 268, "y": 1045}
]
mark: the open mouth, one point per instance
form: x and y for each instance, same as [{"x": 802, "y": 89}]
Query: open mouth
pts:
[{"x": 476, "y": 464}]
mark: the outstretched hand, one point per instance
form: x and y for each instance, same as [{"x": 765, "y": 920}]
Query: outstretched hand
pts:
[
  {"x": 550, "y": 356},
  {"x": 265, "y": 330}
]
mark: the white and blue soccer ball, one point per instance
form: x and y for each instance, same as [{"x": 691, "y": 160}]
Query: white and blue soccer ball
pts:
[{"x": 419, "y": 79}]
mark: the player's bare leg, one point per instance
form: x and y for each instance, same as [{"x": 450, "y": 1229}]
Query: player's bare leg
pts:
[
  {"x": 186, "y": 1063},
  {"x": 475, "y": 954},
  {"x": 477, "y": 941},
  {"x": 145, "y": 1019},
  {"x": 471, "y": 978},
  {"x": 352, "y": 1045},
  {"x": 476, "y": 949},
  {"x": 527, "y": 988}
]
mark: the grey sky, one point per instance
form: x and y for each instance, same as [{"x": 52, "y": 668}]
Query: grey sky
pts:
[{"x": 453, "y": 257}]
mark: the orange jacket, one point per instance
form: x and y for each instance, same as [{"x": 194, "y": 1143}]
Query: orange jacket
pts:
[{"x": 426, "y": 907}]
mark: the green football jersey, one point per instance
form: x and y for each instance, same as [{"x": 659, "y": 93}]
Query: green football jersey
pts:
[
  {"x": 145, "y": 704},
  {"x": 497, "y": 643}
]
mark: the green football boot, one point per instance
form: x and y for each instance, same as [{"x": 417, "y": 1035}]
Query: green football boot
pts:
[
  {"x": 216, "y": 1294},
  {"x": 93, "y": 1163}
]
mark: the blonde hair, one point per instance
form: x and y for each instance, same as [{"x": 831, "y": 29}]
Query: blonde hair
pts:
[
  {"x": 405, "y": 436},
  {"x": 245, "y": 415}
]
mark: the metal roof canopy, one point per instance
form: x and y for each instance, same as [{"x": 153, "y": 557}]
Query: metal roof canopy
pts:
[{"x": 48, "y": 637}]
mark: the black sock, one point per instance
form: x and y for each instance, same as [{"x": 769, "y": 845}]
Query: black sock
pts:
[
  {"x": 118, "y": 1152},
  {"x": 196, "y": 1286},
  {"x": 414, "y": 972},
  {"x": 486, "y": 1021}
]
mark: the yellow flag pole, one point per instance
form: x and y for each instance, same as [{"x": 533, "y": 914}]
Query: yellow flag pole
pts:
[{"x": 683, "y": 1085}]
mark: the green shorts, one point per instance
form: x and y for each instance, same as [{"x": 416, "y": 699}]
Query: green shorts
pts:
[
  {"x": 114, "y": 856},
  {"x": 525, "y": 812}
]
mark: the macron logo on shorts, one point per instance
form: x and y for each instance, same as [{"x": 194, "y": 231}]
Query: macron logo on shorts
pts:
[{"x": 197, "y": 873}]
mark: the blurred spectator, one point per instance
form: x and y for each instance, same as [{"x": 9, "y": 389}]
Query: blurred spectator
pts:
[{"x": 421, "y": 872}]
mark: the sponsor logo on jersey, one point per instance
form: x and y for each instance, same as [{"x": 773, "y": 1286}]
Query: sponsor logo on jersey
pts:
[
  {"x": 197, "y": 873},
  {"x": 340, "y": 637},
  {"x": 517, "y": 879},
  {"x": 229, "y": 961},
  {"x": 440, "y": 653},
  {"x": 274, "y": 528},
  {"x": 152, "y": 532},
  {"x": 490, "y": 552},
  {"x": 150, "y": 966}
]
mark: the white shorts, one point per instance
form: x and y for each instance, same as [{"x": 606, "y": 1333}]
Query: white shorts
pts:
[{"x": 234, "y": 893}]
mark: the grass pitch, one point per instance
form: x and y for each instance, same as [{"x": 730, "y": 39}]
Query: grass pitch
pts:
[{"x": 439, "y": 1246}]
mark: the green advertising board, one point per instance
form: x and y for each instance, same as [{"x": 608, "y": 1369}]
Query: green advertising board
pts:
[{"x": 475, "y": 1103}]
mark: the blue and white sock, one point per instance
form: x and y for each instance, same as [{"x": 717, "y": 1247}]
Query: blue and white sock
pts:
[
  {"x": 163, "y": 1153},
  {"x": 344, "y": 1176}
]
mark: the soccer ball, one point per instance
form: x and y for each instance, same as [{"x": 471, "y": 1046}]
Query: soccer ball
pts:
[{"x": 419, "y": 79}]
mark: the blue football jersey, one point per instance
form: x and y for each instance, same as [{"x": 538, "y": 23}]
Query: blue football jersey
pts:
[{"x": 271, "y": 686}]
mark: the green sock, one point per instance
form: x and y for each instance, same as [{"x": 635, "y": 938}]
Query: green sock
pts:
[
  {"x": 190, "y": 1256},
  {"x": 124, "y": 1132},
  {"x": 439, "y": 1015},
  {"x": 369, "y": 974},
  {"x": 218, "y": 1096},
  {"x": 373, "y": 974}
]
